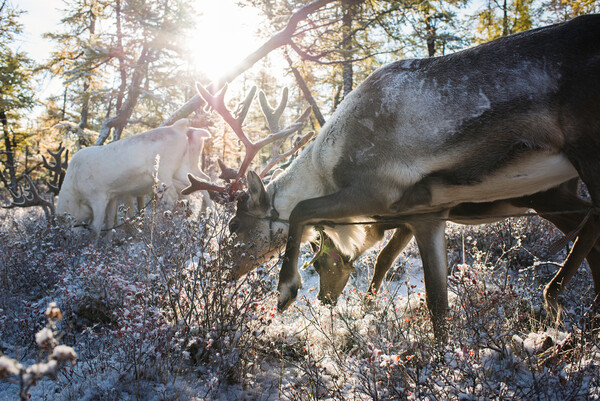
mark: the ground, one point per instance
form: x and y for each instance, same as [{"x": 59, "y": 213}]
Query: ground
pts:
[{"x": 152, "y": 317}]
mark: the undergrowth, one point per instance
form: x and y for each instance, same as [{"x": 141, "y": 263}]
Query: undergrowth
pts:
[{"x": 154, "y": 315}]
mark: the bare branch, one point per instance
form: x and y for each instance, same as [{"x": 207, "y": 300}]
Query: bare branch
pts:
[{"x": 276, "y": 41}]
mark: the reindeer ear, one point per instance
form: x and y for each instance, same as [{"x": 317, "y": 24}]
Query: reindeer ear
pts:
[
  {"x": 256, "y": 189},
  {"x": 276, "y": 173}
]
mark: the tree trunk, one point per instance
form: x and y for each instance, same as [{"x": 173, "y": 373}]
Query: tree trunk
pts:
[
  {"x": 348, "y": 11},
  {"x": 119, "y": 121},
  {"x": 85, "y": 107},
  {"x": 430, "y": 36},
  {"x": 63, "y": 111},
  {"x": 505, "y": 19},
  {"x": 122, "y": 65},
  {"x": 9, "y": 146},
  {"x": 306, "y": 92}
]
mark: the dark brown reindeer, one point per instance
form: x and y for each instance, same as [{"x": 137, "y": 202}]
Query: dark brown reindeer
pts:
[
  {"x": 506, "y": 119},
  {"x": 561, "y": 206}
]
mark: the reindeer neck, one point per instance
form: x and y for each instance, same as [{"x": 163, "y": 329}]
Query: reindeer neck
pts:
[{"x": 300, "y": 181}]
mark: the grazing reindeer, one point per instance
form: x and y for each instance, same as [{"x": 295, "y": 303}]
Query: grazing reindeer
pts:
[
  {"x": 506, "y": 119},
  {"x": 99, "y": 176},
  {"x": 334, "y": 268}
]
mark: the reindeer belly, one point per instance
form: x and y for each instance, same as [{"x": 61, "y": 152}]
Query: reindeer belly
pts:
[{"x": 534, "y": 172}]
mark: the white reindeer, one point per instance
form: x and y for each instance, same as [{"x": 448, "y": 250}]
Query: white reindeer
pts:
[{"x": 99, "y": 176}]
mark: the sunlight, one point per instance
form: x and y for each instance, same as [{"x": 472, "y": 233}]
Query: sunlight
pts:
[{"x": 225, "y": 34}]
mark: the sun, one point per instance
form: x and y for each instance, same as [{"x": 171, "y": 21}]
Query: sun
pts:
[{"x": 224, "y": 35}]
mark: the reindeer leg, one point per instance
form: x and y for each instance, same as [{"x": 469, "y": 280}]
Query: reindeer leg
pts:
[
  {"x": 431, "y": 240},
  {"x": 584, "y": 156},
  {"x": 111, "y": 218},
  {"x": 582, "y": 246},
  {"x": 388, "y": 255},
  {"x": 99, "y": 212},
  {"x": 345, "y": 203},
  {"x": 564, "y": 198}
]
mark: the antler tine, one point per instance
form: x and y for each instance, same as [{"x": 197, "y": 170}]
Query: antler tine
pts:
[
  {"x": 57, "y": 168},
  {"x": 18, "y": 198},
  {"x": 295, "y": 126},
  {"x": 212, "y": 100},
  {"x": 299, "y": 143},
  {"x": 199, "y": 185},
  {"x": 227, "y": 173},
  {"x": 28, "y": 197},
  {"x": 55, "y": 165},
  {"x": 273, "y": 115},
  {"x": 217, "y": 102},
  {"x": 245, "y": 106}
]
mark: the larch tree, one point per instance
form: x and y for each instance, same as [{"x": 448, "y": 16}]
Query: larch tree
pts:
[
  {"x": 125, "y": 60},
  {"x": 553, "y": 11},
  {"x": 501, "y": 17},
  {"x": 16, "y": 94},
  {"x": 81, "y": 60}
]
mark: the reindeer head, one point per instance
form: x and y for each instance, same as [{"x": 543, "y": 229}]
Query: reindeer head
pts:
[
  {"x": 259, "y": 235},
  {"x": 334, "y": 270}
]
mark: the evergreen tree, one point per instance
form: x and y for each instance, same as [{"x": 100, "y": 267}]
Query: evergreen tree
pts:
[
  {"x": 553, "y": 11},
  {"x": 16, "y": 95},
  {"x": 123, "y": 61},
  {"x": 501, "y": 18}
]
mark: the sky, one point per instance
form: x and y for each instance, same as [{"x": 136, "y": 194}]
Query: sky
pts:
[
  {"x": 224, "y": 34},
  {"x": 42, "y": 16}
]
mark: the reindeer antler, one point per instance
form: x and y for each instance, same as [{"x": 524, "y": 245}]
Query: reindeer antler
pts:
[
  {"x": 227, "y": 173},
  {"x": 216, "y": 102},
  {"x": 297, "y": 145},
  {"x": 28, "y": 197},
  {"x": 57, "y": 168}
]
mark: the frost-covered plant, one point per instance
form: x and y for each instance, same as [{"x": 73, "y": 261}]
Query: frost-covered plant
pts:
[
  {"x": 154, "y": 315},
  {"x": 215, "y": 319},
  {"x": 52, "y": 357},
  {"x": 498, "y": 347}
]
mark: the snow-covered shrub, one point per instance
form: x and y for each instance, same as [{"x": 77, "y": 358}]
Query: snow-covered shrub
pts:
[
  {"x": 51, "y": 359},
  {"x": 499, "y": 344},
  {"x": 215, "y": 320},
  {"x": 153, "y": 315}
]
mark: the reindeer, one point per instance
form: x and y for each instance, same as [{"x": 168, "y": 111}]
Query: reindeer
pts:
[
  {"x": 98, "y": 177},
  {"x": 29, "y": 195},
  {"x": 561, "y": 206},
  {"x": 506, "y": 119}
]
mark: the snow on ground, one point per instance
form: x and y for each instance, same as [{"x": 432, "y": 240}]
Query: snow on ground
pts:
[{"x": 127, "y": 318}]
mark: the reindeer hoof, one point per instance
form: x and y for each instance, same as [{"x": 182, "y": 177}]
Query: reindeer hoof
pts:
[
  {"x": 283, "y": 303},
  {"x": 551, "y": 303},
  {"x": 287, "y": 294}
]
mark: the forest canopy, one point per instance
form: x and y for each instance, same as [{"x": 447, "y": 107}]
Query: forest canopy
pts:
[{"x": 126, "y": 66}]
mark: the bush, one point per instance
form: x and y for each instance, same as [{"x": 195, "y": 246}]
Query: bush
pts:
[{"x": 153, "y": 315}]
